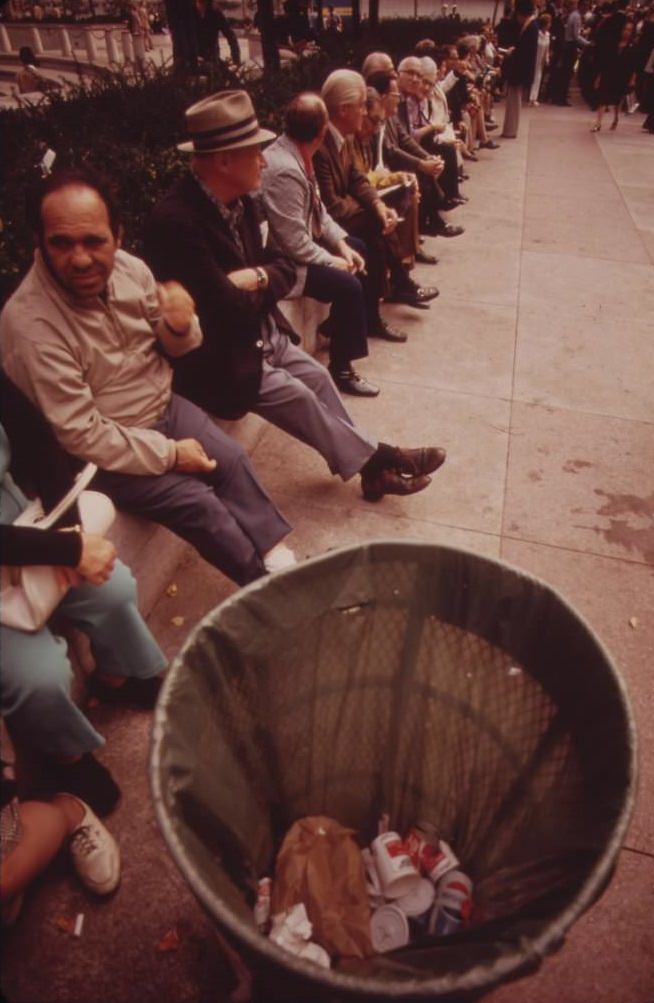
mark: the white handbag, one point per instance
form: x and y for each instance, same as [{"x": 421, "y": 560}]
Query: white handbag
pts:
[{"x": 31, "y": 594}]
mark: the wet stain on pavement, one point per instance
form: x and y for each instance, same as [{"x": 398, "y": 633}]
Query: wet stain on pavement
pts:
[
  {"x": 574, "y": 466},
  {"x": 635, "y": 532}
]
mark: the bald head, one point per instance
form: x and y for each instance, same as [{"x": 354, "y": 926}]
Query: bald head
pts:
[
  {"x": 377, "y": 62},
  {"x": 305, "y": 118}
]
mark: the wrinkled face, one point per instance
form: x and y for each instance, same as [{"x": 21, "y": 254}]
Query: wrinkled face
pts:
[
  {"x": 77, "y": 243},
  {"x": 242, "y": 168},
  {"x": 373, "y": 119},
  {"x": 410, "y": 77},
  {"x": 426, "y": 87}
]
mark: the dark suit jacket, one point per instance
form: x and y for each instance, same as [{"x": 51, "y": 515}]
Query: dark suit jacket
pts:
[
  {"x": 401, "y": 151},
  {"x": 521, "y": 64},
  {"x": 187, "y": 240},
  {"x": 345, "y": 191}
]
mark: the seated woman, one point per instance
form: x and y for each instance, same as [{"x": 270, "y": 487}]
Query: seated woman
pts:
[
  {"x": 35, "y": 680},
  {"x": 33, "y": 832}
]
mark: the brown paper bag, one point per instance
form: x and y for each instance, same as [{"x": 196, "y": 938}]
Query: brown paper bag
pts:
[{"x": 320, "y": 864}]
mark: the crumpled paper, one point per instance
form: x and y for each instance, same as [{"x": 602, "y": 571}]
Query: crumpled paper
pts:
[
  {"x": 292, "y": 931},
  {"x": 320, "y": 865}
]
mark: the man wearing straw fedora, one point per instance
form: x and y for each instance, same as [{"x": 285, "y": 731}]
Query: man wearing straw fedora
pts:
[{"x": 206, "y": 234}]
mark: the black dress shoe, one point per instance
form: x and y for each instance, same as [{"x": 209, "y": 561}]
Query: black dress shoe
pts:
[
  {"x": 387, "y": 333},
  {"x": 450, "y": 231},
  {"x": 136, "y": 692},
  {"x": 425, "y": 259},
  {"x": 419, "y": 296},
  {"x": 489, "y": 145},
  {"x": 490, "y": 126},
  {"x": 463, "y": 176},
  {"x": 349, "y": 381},
  {"x": 375, "y": 485}
]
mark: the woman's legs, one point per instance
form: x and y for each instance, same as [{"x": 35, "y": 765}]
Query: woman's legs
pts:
[
  {"x": 45, "y": 828},
  {"x": 35, "y": 696}
]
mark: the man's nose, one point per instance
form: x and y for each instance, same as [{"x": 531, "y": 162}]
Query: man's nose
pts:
[{"x": 81, "y": 259}]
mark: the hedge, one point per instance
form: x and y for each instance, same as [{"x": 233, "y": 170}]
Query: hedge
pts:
[{"x": 127, "y": 124}]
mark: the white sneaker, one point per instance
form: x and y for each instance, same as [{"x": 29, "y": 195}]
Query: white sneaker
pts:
[
  {"x": 95, "y": 854},
  {"x": 279, "y": 558}
]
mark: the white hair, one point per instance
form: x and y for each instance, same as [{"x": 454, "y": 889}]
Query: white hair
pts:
[
  {"x": 408, "y": 61},
  {"x": 343, "y": 87},
  {"x": 429, "y": 68},
  {"x": 376, "y": 61}
]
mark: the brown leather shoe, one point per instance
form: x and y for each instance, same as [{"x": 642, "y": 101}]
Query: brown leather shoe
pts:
[
  {"x": 418, "y": 462},
  {"x": 390, "y": 482}
]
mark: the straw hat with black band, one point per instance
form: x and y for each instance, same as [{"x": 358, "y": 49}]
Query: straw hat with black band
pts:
[{"x": 223, "y": 121}]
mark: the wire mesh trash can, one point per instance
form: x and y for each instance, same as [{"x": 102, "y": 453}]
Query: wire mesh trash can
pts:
[{"x": 423, "y": 681}]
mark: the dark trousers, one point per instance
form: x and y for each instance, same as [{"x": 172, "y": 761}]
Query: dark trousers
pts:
[
  {"x": 225, "y": 514},
  {"x": 382, "y": 254},
  {"x": 449, "y": 179},
  {"x": 561, "y": 88},
  {"x": 347, "y": 325}
]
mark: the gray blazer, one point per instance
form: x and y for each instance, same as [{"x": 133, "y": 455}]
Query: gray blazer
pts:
[{"x": 287, "y": 199}]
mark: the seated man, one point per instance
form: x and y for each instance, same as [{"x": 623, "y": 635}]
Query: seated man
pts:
[
  {"x": 205, "y": 233},
  {"x": 301, "y": 229},
  {"x": 81, "y": 337},
  {"x": 349, "y": 197},
  {"x": 402, "y": 152},
  {"x": 399, "y": 189},
  {"x": 415, "y": 115}
]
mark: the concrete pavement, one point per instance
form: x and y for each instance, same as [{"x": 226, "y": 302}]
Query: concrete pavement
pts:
[{"x": 535, "y": 368}]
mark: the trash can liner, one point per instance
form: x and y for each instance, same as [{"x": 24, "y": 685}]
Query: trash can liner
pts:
[{"x": 420, "y": 680}]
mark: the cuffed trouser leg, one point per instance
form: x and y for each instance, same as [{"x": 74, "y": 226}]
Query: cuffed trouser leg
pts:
[
  {"x": 225, "y": 514},
  {"x": 298, "y": 395}
]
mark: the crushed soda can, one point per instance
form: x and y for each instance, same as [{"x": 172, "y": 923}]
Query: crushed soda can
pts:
[
  {"x": 433, "y": 857},
  {"x": 262, "y": 905},
  {"x": 453, "y": 906}
]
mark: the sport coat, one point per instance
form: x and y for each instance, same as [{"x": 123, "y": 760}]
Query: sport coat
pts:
[
  {"x": 345, "y": 191},
  {"x": 401, "y": 151},
  {"x": 188, "y": 240},
  {"x": 300, "y": 226}
]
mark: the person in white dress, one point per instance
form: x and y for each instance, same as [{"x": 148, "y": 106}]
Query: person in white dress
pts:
[{"x": 542, "y": 56}]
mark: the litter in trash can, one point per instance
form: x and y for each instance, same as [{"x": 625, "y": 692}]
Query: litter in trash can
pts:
[
  {"x": 281, "y": 707},
  {"x": 389, "y": 929},
  {"x": 453, "y": 906},
  {"x": 292, "y": 931},
  {"x": 319, "y": 865}
]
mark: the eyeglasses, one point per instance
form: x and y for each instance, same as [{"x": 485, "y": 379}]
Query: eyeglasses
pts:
[{"x": 411, "y": 73}]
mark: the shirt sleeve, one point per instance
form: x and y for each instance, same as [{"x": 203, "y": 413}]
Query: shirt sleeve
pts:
[
  {"x": 57, "y": 384},
  {"x": 24, "y": 545},
  {"x": 174, "y": 345}
]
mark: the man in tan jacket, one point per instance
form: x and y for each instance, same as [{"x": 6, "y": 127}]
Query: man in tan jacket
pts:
[{"x": 84, "y": 336}]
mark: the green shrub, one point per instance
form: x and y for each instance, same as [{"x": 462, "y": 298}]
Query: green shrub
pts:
[{"x": 126, "y": 125}]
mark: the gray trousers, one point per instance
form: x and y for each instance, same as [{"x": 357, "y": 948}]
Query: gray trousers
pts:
[
  {"x": 299, "y": 396},
  {"x": 225, "y": 514}
]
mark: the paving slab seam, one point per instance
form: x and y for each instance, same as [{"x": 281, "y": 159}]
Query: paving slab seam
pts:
[
  {"x": 514, "y": 360},
  {"x": 511, "y": 537},
  {"x": 640, "y": 853},
  {"x": 581, "y": 410}
]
